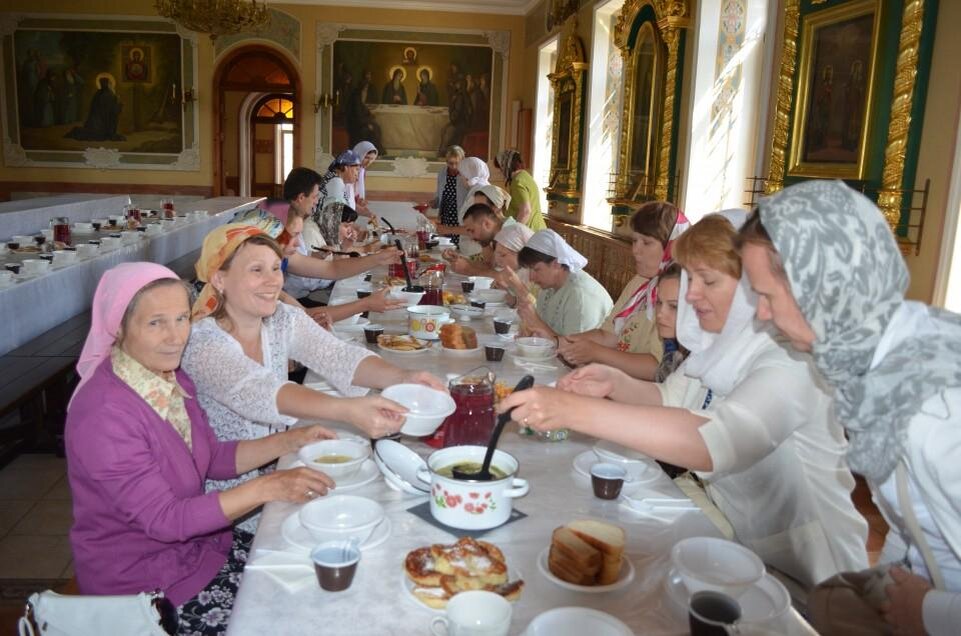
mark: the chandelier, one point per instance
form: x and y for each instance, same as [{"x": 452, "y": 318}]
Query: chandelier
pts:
[{"x": 216, "y": 17}]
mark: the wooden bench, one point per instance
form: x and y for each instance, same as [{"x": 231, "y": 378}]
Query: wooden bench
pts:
[{"x": 38, "y": 378}]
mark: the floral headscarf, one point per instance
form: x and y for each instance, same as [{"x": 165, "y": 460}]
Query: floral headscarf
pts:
[
  {"x": 848, "y": 277},
  {"x": 218, "y": 246},
  {"x": 646, "y": 295}
]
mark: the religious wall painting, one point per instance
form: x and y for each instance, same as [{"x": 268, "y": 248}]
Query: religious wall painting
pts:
[
  {"x": 104, "y": 93},
  {"x": 412, "y": 100},
  {"x": 833, "y": 99},
  {"x": 118, "y": 90}
]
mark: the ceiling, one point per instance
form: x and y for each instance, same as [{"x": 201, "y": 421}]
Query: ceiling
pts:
[{"x": 507, "y": 7}]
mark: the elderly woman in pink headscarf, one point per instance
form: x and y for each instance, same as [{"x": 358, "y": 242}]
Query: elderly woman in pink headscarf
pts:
[{"x": 139, "y": 449}]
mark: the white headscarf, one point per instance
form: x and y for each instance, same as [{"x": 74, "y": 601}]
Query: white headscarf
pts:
[
  {"x": 551, "y": 243},
  {"x": 474, "y": 171},
  {"x": 719, "y": 360},
  {"x": 359, "y": 190},
  {"x": 514, "y": 236}
]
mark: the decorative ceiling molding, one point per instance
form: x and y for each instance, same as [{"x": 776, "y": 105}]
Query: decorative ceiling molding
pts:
[{"x": 508, "y": 7}]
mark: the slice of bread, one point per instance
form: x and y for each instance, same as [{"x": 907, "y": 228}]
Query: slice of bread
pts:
[
  {"x": 572, "y": 559},
  {"x": 608, "y": 539}
]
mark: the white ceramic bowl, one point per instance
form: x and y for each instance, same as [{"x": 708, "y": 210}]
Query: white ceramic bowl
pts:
[
  {"x": 341, "y": 517},
  {"x": 481, "y": 282},
  {"x": 354, "y": 449},
  {"x": 399, "y": 465},
  {"x": 707, "y": 563},
  {"x": 411, "y": 298},
  {"x": 490, "y": 295},
  {"x": 533, "y": 347},
  {"x": 427, "y": 407},
  {"x": 466, "y": 312},
  {"x": 576, "y": 621}
]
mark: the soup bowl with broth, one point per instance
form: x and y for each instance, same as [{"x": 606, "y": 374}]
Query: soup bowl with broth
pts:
[{"x": 338, "y": 458}]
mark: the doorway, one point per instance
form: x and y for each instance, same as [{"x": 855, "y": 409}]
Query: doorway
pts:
[{"x": 256, "y": 101}]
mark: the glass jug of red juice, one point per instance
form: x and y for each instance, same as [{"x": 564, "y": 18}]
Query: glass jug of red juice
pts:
[{"x": 473, "y": 420}]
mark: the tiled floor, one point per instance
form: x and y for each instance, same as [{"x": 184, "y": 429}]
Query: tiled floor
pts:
[{"x": 35, "y": 518}]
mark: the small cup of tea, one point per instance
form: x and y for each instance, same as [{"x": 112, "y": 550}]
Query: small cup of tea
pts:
[
  {"x": 711, "y": 613},
  {"x": 40, "y": 239},
  {"x": 371, "y": 332},
  {"x": 335, "y": 563},
  {"x": 467, "y": 286},
  {"x": 502, "y": 325},
  {"x": 607, "y": 480},
  {"x": 368, "y": 277},
  {"x": 494, "y": 353},
  {"x": 12, "y": 267},
  {"x": 13, "y": 245},
  {"x": 364, "y": 292},
  {"x": 480, "y": 304}
]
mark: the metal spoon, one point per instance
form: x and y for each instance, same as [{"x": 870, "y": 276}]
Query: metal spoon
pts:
[{"x": 485, "y": 472}]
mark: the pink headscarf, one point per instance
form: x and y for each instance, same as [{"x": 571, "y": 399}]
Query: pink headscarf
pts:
[{"x": 116, "y": 289}]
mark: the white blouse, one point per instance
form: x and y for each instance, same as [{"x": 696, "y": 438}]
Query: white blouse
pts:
[
  {"x": 933, "y": 450},
  {"x": 780, "y": 476},
  {"x": 240, "y": 395}
]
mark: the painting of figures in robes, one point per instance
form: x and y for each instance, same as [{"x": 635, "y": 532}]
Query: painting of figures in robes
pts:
[
  {"x": 81, "y": 89},
  {"x": 412, "y": 100}
]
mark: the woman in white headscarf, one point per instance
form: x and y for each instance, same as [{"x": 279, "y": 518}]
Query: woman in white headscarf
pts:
[
  {"x": 509, "y": 275},
  {"x": 744, "y": 413},
  {"x": 831, "y": 278},
  {"x": 357, "y": 192},
  {"x": 570, "y": 300}
]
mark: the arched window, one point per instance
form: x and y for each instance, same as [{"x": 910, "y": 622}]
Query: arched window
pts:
[{"x": 276, "y": 109}]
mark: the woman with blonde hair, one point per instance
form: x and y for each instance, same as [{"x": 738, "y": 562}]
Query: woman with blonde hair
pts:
[
  {"x": 450, "y": 194},
  {"x": 750, "y": 418},
  {"x": 243, "y": 339}
]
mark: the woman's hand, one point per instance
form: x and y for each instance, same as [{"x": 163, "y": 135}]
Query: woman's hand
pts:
[
  {"x": 903, "y": 609},
  {"x": 300, "y": 436},
  {"x": 296, "y": 485},
  {"x": 347, "y": 233},
  {"x": 386, "y": 256},
  {"x": 425, "y": 378},
  {"x": 533, "y": 324},
  {"x": 507, "y": 279},
  {"x": 541, "y": 407},
  {"x": 577, "y": 352},
  {"x": 380, "y": 302},
  {"x": 321, "y": 317},
  {"x": 594, "y": 380},
  {"x": 375, "y": 415}
]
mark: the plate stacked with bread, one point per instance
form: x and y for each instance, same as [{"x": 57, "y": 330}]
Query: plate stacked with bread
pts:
[
  {"x": 435, "y": 573},
  {"x": 458, "y": 339},
  {"x": 587, "y": 555}
]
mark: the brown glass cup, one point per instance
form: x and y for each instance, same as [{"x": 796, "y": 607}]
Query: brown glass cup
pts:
[
  {"x": 371, "y": 332},
  {"x": 494, "y": 353},
  {"x": 502, "y": 326},
  {"x": 467, "y": 286},
  {"x": 335, "y": 563},
  {"x": 607, "y": 480}
]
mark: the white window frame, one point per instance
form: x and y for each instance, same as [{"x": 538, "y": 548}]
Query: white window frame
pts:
[{"x": 543, "y": 117}]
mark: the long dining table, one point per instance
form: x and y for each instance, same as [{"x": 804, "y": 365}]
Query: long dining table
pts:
[{"x": 379, "y": 600}]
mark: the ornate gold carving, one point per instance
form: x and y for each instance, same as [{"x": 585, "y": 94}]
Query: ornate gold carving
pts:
[
  {"x": 671, "y": 17},
  {"x": 889, "y": 197},
  {"x": 567, "y": 82},
  {"x": 785, "y": 85}
]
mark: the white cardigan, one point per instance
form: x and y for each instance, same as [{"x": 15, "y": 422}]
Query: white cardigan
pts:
[
  {"x": 933, "y": 457},
  {"x": 779, "y": 475}
]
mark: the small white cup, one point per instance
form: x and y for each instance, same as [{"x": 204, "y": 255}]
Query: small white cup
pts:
[
  {"x": 34, "y": 267},
  {"x": 24, "y": 239},
  {"x": 474, "y": 613}
]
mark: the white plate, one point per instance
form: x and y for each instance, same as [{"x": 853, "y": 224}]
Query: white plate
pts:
[
  {"x": 460, "y": 352},
  {"x": 344, "y": 325},
  {"x": 399, "y": 465},
  {"x": 547, "y": 361},
  {"x": 624, "y": 578},
  {"x": 415, "y": 352},
  {"x": 367, "y": 473},
  {"x": 512, "y": 575},
  {"x": 582, "y": 466},
  {"x": 299, "y": 537},
  {"x": 766, "y": 600},
  {"x": 576, "y": 621}
]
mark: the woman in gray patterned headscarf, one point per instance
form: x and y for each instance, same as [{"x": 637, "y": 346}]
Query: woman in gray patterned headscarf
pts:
[{"x": 830, "y": 276}]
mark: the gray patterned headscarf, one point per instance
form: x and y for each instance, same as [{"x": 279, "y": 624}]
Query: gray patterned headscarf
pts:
[{"x": 849, "y": 279}]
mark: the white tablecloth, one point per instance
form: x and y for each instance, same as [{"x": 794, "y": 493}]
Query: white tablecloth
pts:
[
  {"x": 400, "y": 214},
  {"x": 29, "y": 216},
  {"x": 410, "y": 128},
  {"x": 377, "y": 602},
  {"x": 31, "y": 307}
]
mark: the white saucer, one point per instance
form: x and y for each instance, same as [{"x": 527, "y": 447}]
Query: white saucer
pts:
[
  {"x": 576, "y": 621},
  {"x": 766, "y": 600},
  {"x": 624, "y": 578},
  {"x": 460, "y": 353},
  {"x": 547, "y": 361},
  {"x": 415, "y": 352},
  {"x": 358, "y": 325},
  {"x": 297, "y": 535}
]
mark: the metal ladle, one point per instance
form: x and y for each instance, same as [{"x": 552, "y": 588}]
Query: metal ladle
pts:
[{"x": 485, "y": 472}]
